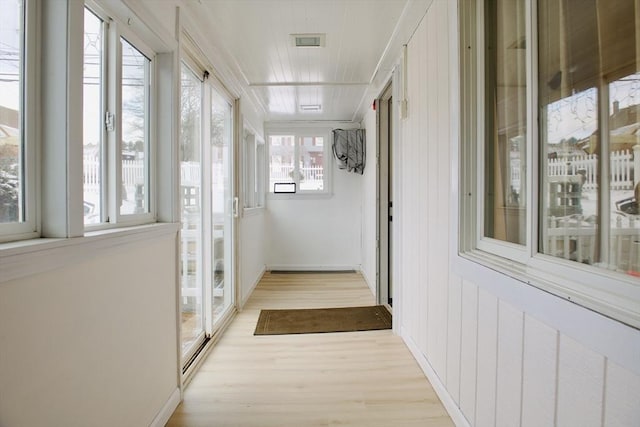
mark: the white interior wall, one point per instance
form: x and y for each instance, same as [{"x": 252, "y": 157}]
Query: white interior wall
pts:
[
  {"x": 251, "y": 262},
  {"x": 252, "y": 234},
  {"x": 89, "y": 338},
  {"x": 498, "y": 351},
  {"x": 318, "y": 232}
]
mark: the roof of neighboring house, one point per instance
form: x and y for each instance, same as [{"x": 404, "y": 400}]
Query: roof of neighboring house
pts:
[{"x": 624, "y": 133}]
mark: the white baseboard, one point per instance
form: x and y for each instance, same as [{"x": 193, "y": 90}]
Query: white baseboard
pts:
[
  {"x": 165, "y": 413},
  {"x": 309, "y": 267},
  {"x": 371, "y": 285},
  {"x": 245, "y": 298},
  {"x": 447, "y": 401}
]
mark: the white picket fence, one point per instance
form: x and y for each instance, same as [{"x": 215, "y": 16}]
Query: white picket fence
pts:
[
  {"x": 311, "y": 177},
  {"x": 133, "y": 174},
  {"x": 620, "y": 169},
  {"x": 280, "y": 173}
]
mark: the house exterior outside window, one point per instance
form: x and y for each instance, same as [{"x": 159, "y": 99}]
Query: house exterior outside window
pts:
[{"x": 300, "y": 158}]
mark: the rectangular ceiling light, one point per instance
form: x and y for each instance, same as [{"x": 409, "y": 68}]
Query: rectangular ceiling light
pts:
[
  {"x": 308, "y": 40},
  {"x": 310, "y": 107}
]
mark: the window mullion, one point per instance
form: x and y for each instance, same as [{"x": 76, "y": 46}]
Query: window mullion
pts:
[
  {"x": 254, "y": 184},
  {"x": 532, "y": 153},
  {"x": 61, "y": 156},
  {"x": 149, "y": 137},
  {"x": 296, "y": 160},
  {"x": 480, "y": 132},
  {"x": 104, "y": 108},
  {"x": 604, "y": 194},
  {"x": 113, "y": 116},
  {"x": 29, "y": 101},
  {"x": 206, "y": 186}
]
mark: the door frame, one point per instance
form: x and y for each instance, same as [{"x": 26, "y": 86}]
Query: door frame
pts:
[{"x": 384, "y": 180}]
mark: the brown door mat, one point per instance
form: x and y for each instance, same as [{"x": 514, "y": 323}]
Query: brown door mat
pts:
[{"x": 321, "y": 320}]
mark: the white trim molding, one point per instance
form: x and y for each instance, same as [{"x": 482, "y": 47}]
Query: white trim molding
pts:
[
  {"x": 245, "y": 298},
  {"x": 167, "y": 410},
  {"x": 447, "y": 401}
]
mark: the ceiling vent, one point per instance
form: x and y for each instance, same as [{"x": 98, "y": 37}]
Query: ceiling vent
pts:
[
  {"x": 308, "y": 40},
  {"x": 310, "y": 107}
]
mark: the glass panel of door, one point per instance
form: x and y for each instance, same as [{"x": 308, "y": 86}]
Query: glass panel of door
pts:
[
  {"x": 191, "y": 243},
  {"x": 221, "y": 204},
  {"x": 206, "y": 202}
]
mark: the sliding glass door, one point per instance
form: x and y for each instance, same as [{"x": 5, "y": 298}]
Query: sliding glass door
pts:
[
  {"x": 191, "y": 241},
  {"x": 222, "y": 204},
  {"x": 206, "y": 209}
]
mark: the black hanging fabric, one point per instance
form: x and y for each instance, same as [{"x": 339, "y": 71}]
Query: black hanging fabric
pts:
[{"x": 349, "y": 148}]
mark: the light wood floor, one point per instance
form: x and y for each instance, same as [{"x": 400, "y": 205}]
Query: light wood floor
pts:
[{"x": 355, "y": 378}]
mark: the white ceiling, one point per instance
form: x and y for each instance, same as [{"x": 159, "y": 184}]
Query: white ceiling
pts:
[{"x": 254, "y": 36}]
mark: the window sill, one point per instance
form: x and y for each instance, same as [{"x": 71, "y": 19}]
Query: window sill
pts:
[
  {"x": 24, "y": 258},
  {"x": 610, "y": 294},
  {"x": 299, "y": 196}
]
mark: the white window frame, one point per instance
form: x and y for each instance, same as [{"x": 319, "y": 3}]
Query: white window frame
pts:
[
  {"x": 115, "y": 31},
  {"x": 261, "y": 162},
  {"x": 613, "y": 294},
  {"x": 253, "y": 170},
  {"x": 29, "y": 226},
  {"x": 513, "y": 251},
  {"x": 297, "y": 133},
  {"x": 104, "y": 146}
]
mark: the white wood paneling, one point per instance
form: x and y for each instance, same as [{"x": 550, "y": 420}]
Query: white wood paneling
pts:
[
  {"x": 622, "y": 397},
  {"x": 509, "y": 381},
  {"x": 453, "y": 337},
  {"x": 442, "y": 200},
  {"x": 438, "y": 203},
  {"x": 539, "y": 373},
  {"x": 412, "y": 292},
  {"x": 421, "y": 174},
  {"x": 487, "y": 359},
  {"x": 425, "y": 213},
  {"x": 468, "y": 350},
  {"x": 580, "y": 385}
]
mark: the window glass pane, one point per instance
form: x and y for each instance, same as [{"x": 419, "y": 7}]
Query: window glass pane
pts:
[
  {"x": 221, "y": 202},
  {"x": 92, "y": 119},
  {"x": 249, "y": 171},
  {"x": 506, "y": 125},
  {"x": 624, "y": 181},
  {"x": 260, "y": 174},
  {"x": 191, "y": 267},
  {"x": 135, "y": 131},
  {"x": 569, "y": 176},
  {"x": 588, "y": 68},
  {"x": 311, "y": 164},
  {"x": 281, "y": 162},
  {"x": 11, "y": 109}
]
